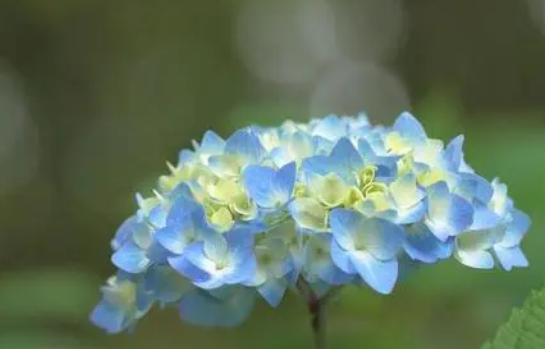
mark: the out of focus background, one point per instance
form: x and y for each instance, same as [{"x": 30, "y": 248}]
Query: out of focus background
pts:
[{"x": 95, "y": 96}]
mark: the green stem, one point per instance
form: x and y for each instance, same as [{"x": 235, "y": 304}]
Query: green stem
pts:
[
  {"x": 318, "y": 323},
  {"x": 316, "y": 307}
]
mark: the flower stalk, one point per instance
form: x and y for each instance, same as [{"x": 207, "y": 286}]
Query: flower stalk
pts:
[{"x": 317, "y": 309}]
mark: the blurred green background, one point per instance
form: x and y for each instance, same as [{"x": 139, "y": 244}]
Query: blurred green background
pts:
[{"x": 95, "y": 95}]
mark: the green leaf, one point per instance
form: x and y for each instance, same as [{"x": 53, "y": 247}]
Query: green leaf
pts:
[{"x": 526, "y": 327}]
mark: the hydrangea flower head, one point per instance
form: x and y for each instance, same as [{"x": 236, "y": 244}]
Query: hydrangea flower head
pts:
[{"x": 329, "y": 203}]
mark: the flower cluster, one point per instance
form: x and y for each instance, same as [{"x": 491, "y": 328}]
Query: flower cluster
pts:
[{"x": 328, "y": 203}]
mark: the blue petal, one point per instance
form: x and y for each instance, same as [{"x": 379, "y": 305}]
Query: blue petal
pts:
[
  {"x": 258, "y": 181},
  {"x": 244, "y": 271},
  {"x": 331, "y": 128},
  {"x": 108, "y": 317},
  {"x": 478, "y": 259},
  {"x": 346, "y": 155},
  {"x": 333, "y": 275},
  {"x": 273, "y": 291},
  {"x": 471, "y": 186},
  {"x": 200, "y": 308},
  {"x": 380, "y": 237},
  {"x": 448, "y": 214},
  {"x": 124, "y": 233},
  {"x": 184, "y": 266},
  {"x": 484, "y": 218},
  {"x": 409, "y": 127},
  {"x": 173, "y": 239},
  {"x": 240, "y": 239},
  {"x": 343, "y": 225},
  {"x": 212, "y": 143},
  {"x": 157, "y": 216},
  {"x": 131, "y": 258},
  {"x": 285, "y": 180},
  {"x": 245, "y": 144},
  {"x": 319, "y": 164},
  {"x": 321, "y": 145},
  {"x": 181, "y": 190},
  {"x": 461, "y": 216},
  {"x": 516, "y": 229},
  {"x": 181, "y": 209},
  {"x": 511, "y": 257},
  {"x": 454, "y": 153},
  {"x": 341, "y": 258},
  {"x": 412, "y": 215},
  {"x": 142, "y": 235},
  {"x": 267, "y": 187},
  {"x": 380, "y": 275},
  {"x": 365, "y": 149},
  {"x": 185, "y": 157},
  {"x": 420, "y": 244},
  {"x": 157, "y": 254}
]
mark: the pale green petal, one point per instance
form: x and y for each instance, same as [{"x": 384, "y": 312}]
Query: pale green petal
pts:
[
  {"x": 374, "y": 188},
  {"x": 353, "y": 198},
  {"x": 405, "y": 165},
  {"x": 431, "y": 177},
  {"x": 397, "y": 144},
  {"x": 243, "y": 206},
  {"x": 121, "y": 293},
  {"x": 405, "y": 192},
  {"x": 222, "y": 219},
  {"x": 309, "y": 213},
  {"x": 367, "y": 175},
  {"x": 479, "y": 239},
  {"x": 225, "y": 191},
  {"x": 331, "y": 189}
]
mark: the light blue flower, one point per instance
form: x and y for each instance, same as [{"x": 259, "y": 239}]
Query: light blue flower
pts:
[
  {"x": 422, "y": 245},
  {"x": 186, "y": 223},
  {"x": 139, "y": 251},
  {"x": 318, "y": 262},
  {"x": 123, "y": 304},
  {"x": 508, "y": 249},
  {"x": 306, "y": 206},
  {"x": 218, "y": 260},
  {"x": 273, "y": 264},
  {"x": 448, "y": 214},
  {"x": 241, "y": 149},
  {"x": 366, "y": 246},
  {"x": 270, "y": 188},
  {"x": 497, "y": 230}
]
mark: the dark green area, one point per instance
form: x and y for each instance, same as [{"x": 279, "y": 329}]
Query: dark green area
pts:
[{"x": 113, "y": 89}]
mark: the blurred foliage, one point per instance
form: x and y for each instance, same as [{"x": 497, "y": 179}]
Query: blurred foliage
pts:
[
  {"x": 114, "y": 88},
  {"x": 525, "y": 328}
]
